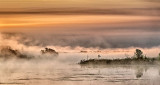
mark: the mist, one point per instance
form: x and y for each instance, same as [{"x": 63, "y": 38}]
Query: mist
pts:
[{"x": 72, "y": 45}]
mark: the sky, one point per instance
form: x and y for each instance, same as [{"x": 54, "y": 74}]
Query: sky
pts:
[
  {"x": 29, "y": 4},
  {"x": 80, "y": 6},
  {"x": 99, "y": 24}
]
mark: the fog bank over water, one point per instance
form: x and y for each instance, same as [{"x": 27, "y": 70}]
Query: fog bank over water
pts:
[
  {"x": 103, "y": 39},
  {"x": 32, "y": 47},
  {"x": 64, "y": 68}
]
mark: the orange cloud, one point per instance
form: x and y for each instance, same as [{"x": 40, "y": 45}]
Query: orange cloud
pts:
[{"x": 49, "y": 20}]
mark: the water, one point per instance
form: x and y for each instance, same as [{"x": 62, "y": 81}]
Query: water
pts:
[{"x": 65, "y": 71}]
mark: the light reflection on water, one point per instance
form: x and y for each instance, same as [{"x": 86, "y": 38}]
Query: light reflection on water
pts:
[{"x": 57, "y": 72}]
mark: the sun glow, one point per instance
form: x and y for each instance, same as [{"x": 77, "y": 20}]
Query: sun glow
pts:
[{"x": 49, "y": 20}]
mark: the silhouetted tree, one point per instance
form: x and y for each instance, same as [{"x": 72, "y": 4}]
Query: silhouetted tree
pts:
[
  {"x": 49, "y": 51},
  {"x": 7, "y": 52},
  {"x": 139, "y": 54}
]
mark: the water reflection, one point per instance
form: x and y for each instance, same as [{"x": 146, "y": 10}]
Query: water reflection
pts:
[
  {"x": 119, "y": 73},
  {"x": 139, "y": 72}
]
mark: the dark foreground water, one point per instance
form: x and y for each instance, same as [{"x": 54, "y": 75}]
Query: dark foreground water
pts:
[{"x": 65, "y": 71}]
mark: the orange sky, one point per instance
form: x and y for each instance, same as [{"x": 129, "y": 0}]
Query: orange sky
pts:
[
  {"x": 21, "y": 5},
  {"x": 40, "y": 20},
  {"x": 74, "y": 12}
]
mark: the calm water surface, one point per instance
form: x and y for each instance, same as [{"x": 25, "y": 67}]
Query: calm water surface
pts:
[{"x": 65, "y": 71}]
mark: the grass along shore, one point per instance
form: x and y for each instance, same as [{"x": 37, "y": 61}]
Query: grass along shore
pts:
[{"x": 139, "y": 58}]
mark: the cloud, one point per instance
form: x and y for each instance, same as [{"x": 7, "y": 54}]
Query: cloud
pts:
[{"x": 154, "y": 11}]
